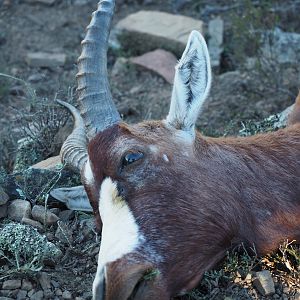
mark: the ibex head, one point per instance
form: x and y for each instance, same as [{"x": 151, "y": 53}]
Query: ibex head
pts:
[{"x": 158, "y": 189}]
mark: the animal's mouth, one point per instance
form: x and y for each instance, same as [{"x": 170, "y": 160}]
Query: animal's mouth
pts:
[{"x": 124, "y": 280}]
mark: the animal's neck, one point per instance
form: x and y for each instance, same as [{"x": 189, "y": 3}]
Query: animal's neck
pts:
[{"x": 256, "y": 182}]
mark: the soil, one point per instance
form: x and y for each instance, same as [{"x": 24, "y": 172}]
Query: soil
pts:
[{"x": 139, "y": 95}]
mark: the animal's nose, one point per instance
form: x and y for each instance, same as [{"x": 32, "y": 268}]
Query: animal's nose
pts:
[{"x": 123, "y": 280}]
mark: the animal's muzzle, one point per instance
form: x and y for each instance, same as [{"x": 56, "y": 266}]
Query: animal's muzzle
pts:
[{"x": 122, "y": 280}]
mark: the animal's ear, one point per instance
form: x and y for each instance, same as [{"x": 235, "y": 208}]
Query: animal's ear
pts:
[{"x": 191, "y": 84}]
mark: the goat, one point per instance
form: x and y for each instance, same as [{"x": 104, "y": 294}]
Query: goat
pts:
[{"x": 169, "y": 201}]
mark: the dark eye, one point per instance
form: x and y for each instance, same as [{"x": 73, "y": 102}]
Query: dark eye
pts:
[{"x": 130, "y": 158}]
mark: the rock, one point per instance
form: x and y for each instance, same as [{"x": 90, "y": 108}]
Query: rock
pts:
[
  {"x": 6, "y": 298},
  {"x": 44, "y": 59},
  {"x": 283, "y": 48},
  {"x": 66, "y": 215},
  {"x": 3, "y": 211},
  {"x": 55, "y": 210},
  {"x": 120, "y": 66},
  {"x": 12, "y": 284},
  {"x": 21, "y": 295},
  {"x": 3, "y": 196},
  {"x": 159, "y": 61},
  {"x": 33, "y": 223},
  {"x": 50, "y": 163},
  {"x": 34, "y": 78},
  {"x": 37, "y": 296},
  {"x": 18, "y": 209},
  {"x": 47, "y": 2},
  {"x": 148, "y": 30},
  {"x": 81, "y": 2},
  {"x": 44, "y": 281},
  {"x": 297, "y": 296},
  {"x": 66, "y": 295},
  {"x": 215, "y": 41},
  {"x": 26, "y": 285},
  {"x": 44, "y": 216},
  {"x": 264, "y": 283}
]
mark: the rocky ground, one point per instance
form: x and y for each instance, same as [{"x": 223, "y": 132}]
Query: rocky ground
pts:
[{"x": 39, "y": 45}]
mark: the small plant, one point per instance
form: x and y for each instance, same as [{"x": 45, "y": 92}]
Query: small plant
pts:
[{"x": 24, "y": 249}]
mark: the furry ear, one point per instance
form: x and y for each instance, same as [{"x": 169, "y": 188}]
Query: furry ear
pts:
[{"x": 191, "y": 84}]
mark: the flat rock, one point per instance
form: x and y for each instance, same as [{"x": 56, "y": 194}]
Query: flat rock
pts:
[
  {"x": 37, "y": 296},
  {"x": 66, "y": 215},
  {"x": 264, "y": 283},
  {"x": 160, "y": 61},
  {"x": 44, "y": 59},
  {"x": 148, "y": 30},
  {"x": 12, "y": 284},
  {"x": 21, "y": 295},
  {"x": 50, "y": 163},
  {"x": 67, "y": 295},
  {"x": 215, "y": 41},
  {"x": 44, "y": 281},
  {"x": 3, "y": 211},
  {"x": 18, "y": 209},
  {"x": 26, "y": 285},
  {"x": 3, "y": 197},
  {"x": 33, "y": 223},
  {"x": 40, "y": 214},
  {"x": 47, "y": 2}
]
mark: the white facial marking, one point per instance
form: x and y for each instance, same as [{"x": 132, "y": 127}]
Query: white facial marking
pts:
[
  {"x": 120, "y": 233},
  {"x": 165, "y": 158},
  {"x": 88, "y": 174}
]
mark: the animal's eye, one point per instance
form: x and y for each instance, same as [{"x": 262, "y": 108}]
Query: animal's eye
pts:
[{"x": 130, "y": 158}]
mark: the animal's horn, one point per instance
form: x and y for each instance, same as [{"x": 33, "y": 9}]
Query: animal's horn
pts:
[
  {"x": 95, "y": 99},
  {"x": 74, "y": 149}
]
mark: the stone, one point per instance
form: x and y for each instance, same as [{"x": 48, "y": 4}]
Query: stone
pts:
[
  {"x": 50, "y": 163},
  {"x": 26, "y": 285},
  {"x": 148, "y": 30},
  {"x": 120, "y": 66},
  {"x": 3, "y": 196},
  {"x": 44, "y": 281},
  {"x": 6, "y": 298},
  {"x": 37, "y": 296},
  {"x": 297, "y": 296},
  {"x": 215, "y": 41},
  {"x": 44, "y": 59},
  {"x": 66, "y": 295},
  {"x": 44, "y": 216},
  {"x": 34, "y": 78},
  {"x": 66, "y": 215},
  {"x": 55, "y": 210},
  {"x": 33, "y": 223},
  {"x": 21, "y": 295},
  {"x": 18, "y": 209},
  {"x": 283, "y": 48},
  {"x": 3, "y": 211},
  {"x": 159, "y": 61},
  {"x": 264, "y": 283},
  {"x": 47, "y": 2},
  {"x": 12, "y": 284}
]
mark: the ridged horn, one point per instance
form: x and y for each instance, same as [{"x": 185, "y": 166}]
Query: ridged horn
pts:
[
  {"x": 74, "y": 150},
  {"x": 95, "y": 100}
]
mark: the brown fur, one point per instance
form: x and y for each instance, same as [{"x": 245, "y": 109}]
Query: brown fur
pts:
[{"x": 209, "y": 196}]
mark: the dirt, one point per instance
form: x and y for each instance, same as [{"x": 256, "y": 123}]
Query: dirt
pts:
[{"x": 139, "y": 95}]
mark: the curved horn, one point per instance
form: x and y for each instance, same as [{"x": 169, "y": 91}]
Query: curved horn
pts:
[
  {"x": 95, "y": 99},
  {"x": 74, "y": 150}
]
